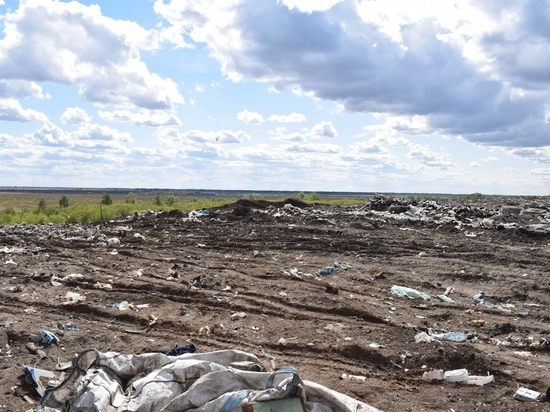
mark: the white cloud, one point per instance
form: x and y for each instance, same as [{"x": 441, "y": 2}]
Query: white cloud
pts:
[
  {"x": 87, "y": 136},
  {"x": 94, "y": 135},
  {"x": 489, "y": 159},
  {"x": 11, "y": 110},
  {"x": 309, "y": 6},
  {"x": 249, "y": 117},
  {"x": 70, "y": 43},
  {"x": 287, "y": 118},
  {"x": 370, "y": 147},
  {"x": 17, "y": 89},
  {"x": 475, "y": 164},
  {"x": 75, "y": 115},
  {"x": 540, "y": 172},
  {"x": 324, "y": 130},
  {"x": 51, "y": 135},
  {"x": 462, "y": 68},
  {"x": 142, "y": 117},
  {"x": 311, "y": 148},
  {"x": 429, "y": 157},
  {"x": 173, "y": 138},
  {"x": 537, "y": 154}
]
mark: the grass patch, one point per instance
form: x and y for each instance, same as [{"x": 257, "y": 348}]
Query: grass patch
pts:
[{"x": 37, "y": 208}]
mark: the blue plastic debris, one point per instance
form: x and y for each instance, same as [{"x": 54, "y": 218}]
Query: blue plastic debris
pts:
[
  {"x": 455, "y": 336},
  {"x": 478, "y": 297},
  {"x": 325, "y": 271},
  {"x": 48, "y": 338}
]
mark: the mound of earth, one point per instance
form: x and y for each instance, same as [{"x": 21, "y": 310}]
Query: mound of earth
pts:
[{"x": 308, "y": 286}]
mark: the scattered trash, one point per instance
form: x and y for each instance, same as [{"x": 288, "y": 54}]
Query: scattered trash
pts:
[
  {"x": 113, "y": 241},
  {"x": 238, "y": 315},
  {"x": 527, "y": 395},
  {"x": 196, "y": 282},
  {"x": 180, "y": 349},
  {"x": 525, "y": 354},
  {"x": 330, "y": 269},
  {"x": 479, "y": 296},
  {"x": 408, "y": 292},
  {"x": 63, "y": 366},
  {"x": 423, "y": 337},
  {"x": 457, "y": 375},
  {"x": 449, "y": 336},
  {"x": 445, "y": 298},
  {"x": 73, "y": 277},
  {"x": 477, "y": 323},
  {"x": 291, "y": 208},
  {"x": 354, "y": 378},
  {"x": 326, "y": 271},
  {"x": 47, "y": 338},
  {"x": 106, "y": 286},
  {"x": 480, "y": 380},
  {"x": 124, "y": 305},
  {"x": 433, "y": 375},
  {"x": 73, "y": 297},
  {"x": 42, "y": 378},
  {"x": 33, "y": 349},
  {"x": 283, "y": 341},
  {"x": 343, "y": 265}
]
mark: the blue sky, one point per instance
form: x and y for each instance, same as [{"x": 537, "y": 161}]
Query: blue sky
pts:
[{"x": 352, "y": 95}]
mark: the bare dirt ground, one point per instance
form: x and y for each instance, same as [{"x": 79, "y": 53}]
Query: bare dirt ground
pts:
[{"x": 248, "y": 277}]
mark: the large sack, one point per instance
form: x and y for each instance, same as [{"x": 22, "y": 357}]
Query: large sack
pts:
[{"x": 217, "y": 381}]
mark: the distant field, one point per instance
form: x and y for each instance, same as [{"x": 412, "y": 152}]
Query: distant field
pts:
[
  {"x": 36, "y": 206},
  {"x": 29, "y": 200}
]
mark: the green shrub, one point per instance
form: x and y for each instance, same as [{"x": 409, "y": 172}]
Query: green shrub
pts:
[
  {"x": 474, "y": 196},
  {"x": 254, "y": 197},
  {"x": 314, "y": 196},
  {"x": 170, "y": 201},
  {"x": 64, "y": 202},
  {"x": 130, "y": 198},
  {"x": 106, "y": 199}
]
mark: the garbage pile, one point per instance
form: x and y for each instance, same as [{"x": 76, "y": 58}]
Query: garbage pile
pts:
[{"x": 530, "y": 216}]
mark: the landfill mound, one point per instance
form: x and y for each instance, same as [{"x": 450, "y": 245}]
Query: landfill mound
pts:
[{"x": 378, "y": 301}]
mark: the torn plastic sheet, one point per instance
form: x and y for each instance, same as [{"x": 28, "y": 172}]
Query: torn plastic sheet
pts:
[
  {"x": 408, "y": 292},
  {"x": 36, "y": 375}
]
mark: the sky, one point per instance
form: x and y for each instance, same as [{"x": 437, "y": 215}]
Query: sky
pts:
[{"x": 382, "y": 96}]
